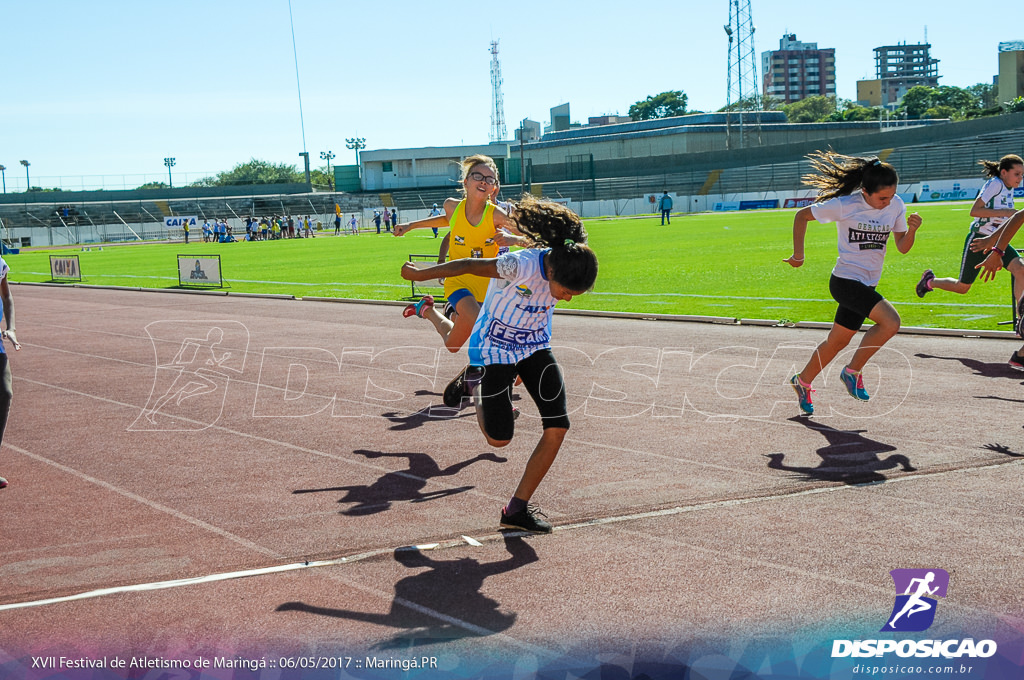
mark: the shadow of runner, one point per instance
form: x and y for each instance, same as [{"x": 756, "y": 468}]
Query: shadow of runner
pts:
[
  {"x": 987, "y": 370},
  {"x": 401, "y": 485},
  {"x": 850, "y": 457},
  {"x": 442, "y": 603}
]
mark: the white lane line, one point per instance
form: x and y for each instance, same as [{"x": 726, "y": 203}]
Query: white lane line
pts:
[
  {"x": 150, "y": 503},
  {"x": 460, "y": 543}
]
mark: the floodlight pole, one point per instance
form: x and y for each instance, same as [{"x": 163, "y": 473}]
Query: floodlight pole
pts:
[
  {"x": 522, "y": 159},
  {"x": 169, "y": 162},
  {"x": 356, "y": 143},
  {"x": 28, "y": 182},
  {"x": 3, "y": 175},
  {"x": 327, "y": 156}
]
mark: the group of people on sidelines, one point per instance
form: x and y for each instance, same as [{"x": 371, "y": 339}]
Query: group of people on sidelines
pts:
[{"x": 278, "y": 227}]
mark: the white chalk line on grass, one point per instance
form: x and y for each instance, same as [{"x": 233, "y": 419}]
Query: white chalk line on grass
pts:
[{"x": 595, "y": 292}]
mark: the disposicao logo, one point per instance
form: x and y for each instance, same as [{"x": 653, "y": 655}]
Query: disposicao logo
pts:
[
  {"x": 914, "y": 611},
  {"x": 916, "y": 590}
]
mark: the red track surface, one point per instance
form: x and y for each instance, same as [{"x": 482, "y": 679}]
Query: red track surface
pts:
[{"x": 692, "y": 505}]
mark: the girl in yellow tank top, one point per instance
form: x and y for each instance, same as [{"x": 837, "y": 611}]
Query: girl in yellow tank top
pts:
[{"x": 478, "y": 228}]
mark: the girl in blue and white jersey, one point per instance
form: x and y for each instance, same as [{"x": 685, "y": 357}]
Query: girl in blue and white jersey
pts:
[{"x": 512, "y": 336}]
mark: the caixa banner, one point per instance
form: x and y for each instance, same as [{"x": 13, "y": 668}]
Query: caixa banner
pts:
[{"x": 180, "y": 221}]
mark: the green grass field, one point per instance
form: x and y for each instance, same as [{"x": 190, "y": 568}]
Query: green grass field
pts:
[{"x": 713, "y": 264}]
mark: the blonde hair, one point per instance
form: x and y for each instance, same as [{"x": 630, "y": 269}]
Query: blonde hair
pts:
[{"x": 478, "y": 159}]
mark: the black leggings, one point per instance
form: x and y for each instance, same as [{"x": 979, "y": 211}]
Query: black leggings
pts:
[{"x": 542, "y": 379}]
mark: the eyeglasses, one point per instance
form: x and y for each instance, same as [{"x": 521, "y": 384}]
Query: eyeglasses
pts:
[{"x": 486, "y": 179}]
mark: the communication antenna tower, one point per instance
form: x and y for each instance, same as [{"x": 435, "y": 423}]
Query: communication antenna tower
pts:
[
  {"x": 498, "y": 132},
  {"x": 741, "y": 82}
]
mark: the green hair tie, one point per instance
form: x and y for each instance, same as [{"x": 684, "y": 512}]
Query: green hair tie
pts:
[{"x": 569, "y": 242}]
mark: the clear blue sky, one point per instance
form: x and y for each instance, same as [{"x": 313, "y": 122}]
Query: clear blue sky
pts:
[{"x": 111, "y": 88}]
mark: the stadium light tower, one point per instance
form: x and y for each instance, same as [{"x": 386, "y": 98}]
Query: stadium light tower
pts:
[
  {"x": 356, "y": 143},
  {"x": 28, "y": 182},
  {"x": 169, "y": 162},
  {"x": 498, "y": 132},
  {"x": 3, "y": 175},
  {"x": 327, "y": 156},
  {"x": 741, "y": 81}
]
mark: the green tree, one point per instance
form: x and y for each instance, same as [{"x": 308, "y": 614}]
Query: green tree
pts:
[
  {"x": 153, "y": 185},
  {"x": 259, "y": 172},
  {"x": 813, "y": 109},
  {"x": 664, "y": 105},
  {"x": 916, "y": 101},
  {"x": 985, "y": 94},
  {"x": 752, "y": 103}
]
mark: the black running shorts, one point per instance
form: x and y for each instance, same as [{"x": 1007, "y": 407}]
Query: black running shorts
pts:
[
  {"x": 542, "y": 379},
  {"x": 856, "y": 300}
]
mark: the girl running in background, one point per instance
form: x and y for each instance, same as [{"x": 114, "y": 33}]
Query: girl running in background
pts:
[
  {"x": 475, "y": 223},
  {"x": 992, "y": 207},
  {"x": 512, "y": 336},
  {"x": 997, "y": 248},
  {"x": 859, "y": 195}
]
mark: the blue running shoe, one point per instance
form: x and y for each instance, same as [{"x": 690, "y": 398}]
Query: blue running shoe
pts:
[
  {"x": 854, "y": 384},
  {"x": 803, "y": 394}
]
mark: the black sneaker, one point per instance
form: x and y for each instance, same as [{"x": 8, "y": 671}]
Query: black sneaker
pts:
[
  {"x": 527, "y": 520},
  {"x": 455, "y": 390},
  {"x": 1016, "y": 362},
  {"x": 922, "y": 287}
]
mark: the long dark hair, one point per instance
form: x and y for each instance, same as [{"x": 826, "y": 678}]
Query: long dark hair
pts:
[
  {"x": 839, "y": 175},
  {"x": 571, "y": 262},
  {"x": 992, "y": 168}
]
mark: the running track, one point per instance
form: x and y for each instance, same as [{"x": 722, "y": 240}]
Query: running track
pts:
[{"x": 228, "y": 477}]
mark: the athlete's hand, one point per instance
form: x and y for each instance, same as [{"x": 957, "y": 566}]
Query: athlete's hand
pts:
[
  {"x": 410, "y": 272},
  {"x": 9, "y": 335},
  {"x": 990, "y": 265},
  {"x": 983, "y": 244},
  {"x": 504, "y": 238},
  {"x": 400, "y": 229},
  {"x": 793, "y": 261},
  {"x": 913, "y": 221}
]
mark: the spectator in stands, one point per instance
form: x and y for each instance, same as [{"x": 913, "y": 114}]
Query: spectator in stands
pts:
[
  {"x": 859, "y": 195},
  {"x": 665, "y": 206},
  {"x": 6, "y": 381},
  {"x": 991, "y": 209}
]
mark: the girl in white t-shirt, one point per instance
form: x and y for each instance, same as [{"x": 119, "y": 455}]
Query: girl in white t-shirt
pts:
[
  {"x": 859, "y": 195},
  {"x": 991, "y": 209},
  {"x": 512, "y": 337}
]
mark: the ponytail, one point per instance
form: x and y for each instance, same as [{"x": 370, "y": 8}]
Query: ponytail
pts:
[
  {"x": 993, "y": 169},
  {"x": 839, "y": 175},
  {"x": 572, "y": 264}
]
